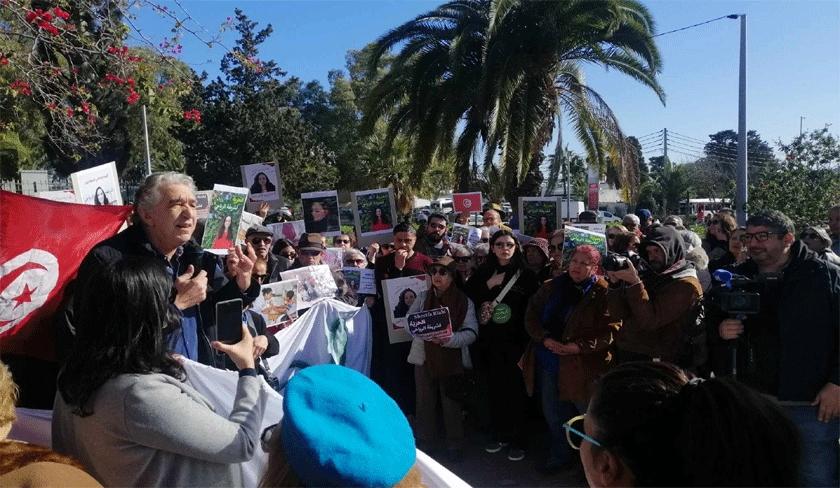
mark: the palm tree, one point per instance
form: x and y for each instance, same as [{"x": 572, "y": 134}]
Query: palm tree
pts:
[{"x": 499, "y": 72}]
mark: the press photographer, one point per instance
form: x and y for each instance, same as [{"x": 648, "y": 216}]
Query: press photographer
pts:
[
  {"x": 788, "y": 349},
  {"x": 659, "y": 305}
]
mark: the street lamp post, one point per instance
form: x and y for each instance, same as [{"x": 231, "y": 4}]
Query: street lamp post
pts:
[{"x": 741, "y": 193}]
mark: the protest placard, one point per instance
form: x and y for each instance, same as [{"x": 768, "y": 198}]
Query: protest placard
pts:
[
  {"x": 399, "y": 295},
  {"x": 577, "y": 237},
  {"x": 98, "y": 185},
  {"x": 334, "y": 257},
  {"x": 223, "y": 220},
  {"x": 539, "y": 216},
  {"x": 314, "y": 283},
  {"x": 263, "y": 183},
  {"x": 375, "y": 215},
  {"x": 466, "y": 202},
  {"x": 202, "y": 203},
  {"x": 360, "y": 280},
  {"x": 277, "y": 303},
  {"x": 599, "y": 228},
  {"x": 433, "y": 324},
  {"x": 246, "y": 222},
  {"x": 465, "y": 235},
  {"x": 320, "y": 212},
  {"x": 290, "y": 231}
]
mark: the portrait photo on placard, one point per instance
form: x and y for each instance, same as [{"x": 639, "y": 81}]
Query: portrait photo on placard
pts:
[
  {"x": 98, "y": 185},
  {"x": 538, "y": 216},
  {"x": 373, "y": 210},
  {"x": 221, "y": 229},
  {"x": 261, "y": 181},
  {"x": 320, "y": 212}
]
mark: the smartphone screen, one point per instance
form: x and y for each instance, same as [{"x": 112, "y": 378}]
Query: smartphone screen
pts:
[{"x": 229, "y": 321}]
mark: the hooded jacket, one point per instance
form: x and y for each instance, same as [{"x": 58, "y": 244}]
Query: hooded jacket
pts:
[
  {"x": 656, "y": 310},
  {"x": 806, "y": 305}
]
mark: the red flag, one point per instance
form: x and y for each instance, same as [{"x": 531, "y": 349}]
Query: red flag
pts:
[
  {"x": 466, "y": 202},
  {"x": 42, "y": 244}
]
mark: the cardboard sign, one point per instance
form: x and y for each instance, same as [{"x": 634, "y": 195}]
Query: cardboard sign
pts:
[
  {"x": 98, "y": 185},
  {"x": 224, "y": 219},
  {"x": 320, "y": 212},
  {"x": 400, "y": 295},
  {"x": 360, "y": 280},
  {"x": 203, "y": 199},
  {"x": 430, "y": 324},
  {"x": 466, "y": 202},
  {"x": 375, "y": 215},
  {"x": 575, "y": 237},
  {"x": 314, "y": 283},
  {"x": 539, "y": 216},
  {"x": 263, "y": 183},
  {"x": 598, "y": 228}
]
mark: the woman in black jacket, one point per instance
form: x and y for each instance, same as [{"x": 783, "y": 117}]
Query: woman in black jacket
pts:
[{"x": 502, "y": 337}]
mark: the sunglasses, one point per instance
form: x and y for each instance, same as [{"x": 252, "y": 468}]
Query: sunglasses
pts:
[
  {"x": 506, "y": 245},
  {"x": 485, "y": 239},
  {"x": 439, "y": 271},
  {"x": 311, "y": 254},
  {"x": 808, "y": 235},
  {"x": 463, "y": 259},
  {"x": 575, "y": 435},
  {"x": 289, "y": 255},
  {"x": 268, "y": 436},
  {"x": 257, "y": 240},
  {"x": 357, "y": 261},
  {"x": 341, "y": 241}
]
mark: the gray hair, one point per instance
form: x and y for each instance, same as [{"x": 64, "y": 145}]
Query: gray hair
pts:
[
  {"x": 821, "y": 233},
  {"x": 353, "y": 254},
  {"x": 460, "y": 251},
  {"x": 482, "y": 249},
  {"x": 631, "y": 219},
  {"x": 148, "y": 195},
  {"x": 674, "y": 220}
]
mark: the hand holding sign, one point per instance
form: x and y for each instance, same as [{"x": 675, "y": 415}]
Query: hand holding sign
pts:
[{"x": 430, "y": 325}]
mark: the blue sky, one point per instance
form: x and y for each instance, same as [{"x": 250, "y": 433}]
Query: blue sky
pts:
[{"x": 793, "y": 59}]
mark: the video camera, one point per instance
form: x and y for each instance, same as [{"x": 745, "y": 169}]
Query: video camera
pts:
[{"x": 736, "y": 296}]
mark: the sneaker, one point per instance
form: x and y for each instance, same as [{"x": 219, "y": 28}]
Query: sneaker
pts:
[
  {"x": 495, "y": 446},
  {"x": 515, "y": 454}
]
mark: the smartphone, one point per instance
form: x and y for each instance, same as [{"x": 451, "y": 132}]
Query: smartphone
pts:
[{"x": 229, "y": 318}]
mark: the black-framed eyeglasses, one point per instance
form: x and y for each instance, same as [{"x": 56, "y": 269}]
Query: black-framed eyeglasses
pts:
[
  {"x": 267, "y": 437},
  {"x": 441, "y": 271},
  {"x": 759, "y": 236},
  {"x": 575, "y": 434}
]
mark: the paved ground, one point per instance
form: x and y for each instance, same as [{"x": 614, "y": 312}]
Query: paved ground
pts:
[{"x": 479, "y": 468}]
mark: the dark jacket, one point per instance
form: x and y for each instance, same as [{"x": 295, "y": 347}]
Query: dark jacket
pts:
[
  {"x": 655, "y": 312},
  {"x": 423, "y": 246},
  {"x": 134, "y": 242},
  {"x": 806, "y": 321}
]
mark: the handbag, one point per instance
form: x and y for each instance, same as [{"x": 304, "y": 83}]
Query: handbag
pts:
[
  {"x": 488, "y": 309},
  {"x": 459, "y": 387}
]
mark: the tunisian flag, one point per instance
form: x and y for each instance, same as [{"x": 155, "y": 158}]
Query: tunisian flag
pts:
[
  {"x": 466, "y": 202},
  {"x": 42, "y": 244}
]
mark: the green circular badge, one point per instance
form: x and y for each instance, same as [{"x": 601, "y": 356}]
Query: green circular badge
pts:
[{"x": 502, "y": 313}]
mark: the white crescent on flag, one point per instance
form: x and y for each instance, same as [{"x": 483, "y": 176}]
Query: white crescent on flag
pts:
[{"x": 26, "y": 281}]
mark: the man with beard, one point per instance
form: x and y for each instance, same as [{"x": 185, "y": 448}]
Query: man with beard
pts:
[
  {"x": 656, "y": 304},
  {"x": 433, "y": 242},
  {"x": 789, "y": 349}
]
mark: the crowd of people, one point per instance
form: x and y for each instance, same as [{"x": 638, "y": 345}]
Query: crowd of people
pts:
[{"x": 673, "y": 359}]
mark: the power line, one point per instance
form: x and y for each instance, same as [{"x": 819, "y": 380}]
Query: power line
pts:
[
  {"x": 732, "y": 16},
  {"x": 689, "y": 137},
  {"x": 654, "y": 133}
]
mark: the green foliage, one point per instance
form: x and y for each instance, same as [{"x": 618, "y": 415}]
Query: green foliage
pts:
[{"x": 806, "y": 183}]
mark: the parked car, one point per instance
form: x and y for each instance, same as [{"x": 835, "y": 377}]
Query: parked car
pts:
[{"x": 605, "y": 217}]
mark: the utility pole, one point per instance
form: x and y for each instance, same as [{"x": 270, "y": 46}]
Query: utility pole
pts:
[
  {"x": 801, "y": 118},
  {"x": 148, "y": 153},
  {"x": 741, "y": 175},
  {"x": 665, "y": 143}
]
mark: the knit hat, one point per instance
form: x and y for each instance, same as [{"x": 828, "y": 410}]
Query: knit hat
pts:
[
  {"x": 643, "y": 214},
  {"x": 540, "y": 244},
  {"x": 340, "y": 429}
]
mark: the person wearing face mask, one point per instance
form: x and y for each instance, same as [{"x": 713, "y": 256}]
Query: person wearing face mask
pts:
[
  {"x": 502, "y": 287},
  {"x": 655, "y": 305},
  {"x": 571, "y": 335}
]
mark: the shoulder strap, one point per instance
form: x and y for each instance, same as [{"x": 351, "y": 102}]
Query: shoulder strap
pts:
[{"x": 507, "y": 288}]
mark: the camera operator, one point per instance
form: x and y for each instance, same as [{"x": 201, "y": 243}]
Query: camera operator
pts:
[
  {"x": 657, "y": 303},
  {"x": 789, "y": 348}
]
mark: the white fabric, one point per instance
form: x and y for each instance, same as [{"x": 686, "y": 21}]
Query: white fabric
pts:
[{"x": 304, "y": 341}]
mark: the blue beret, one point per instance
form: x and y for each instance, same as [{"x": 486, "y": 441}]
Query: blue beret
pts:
[
  {"x": 643, "y": 214},
  {"x": 340, "y": 429}
]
